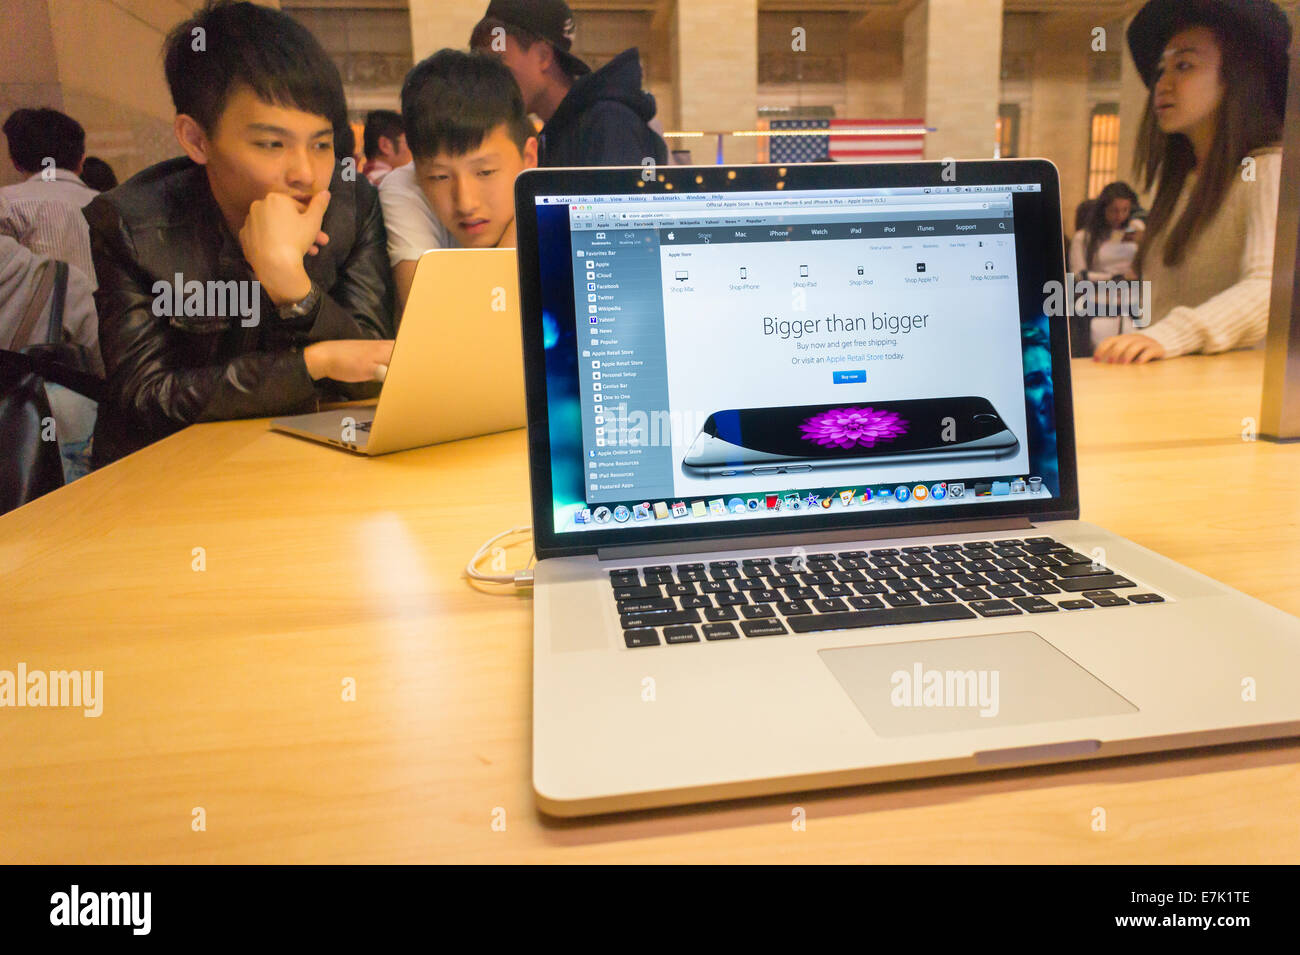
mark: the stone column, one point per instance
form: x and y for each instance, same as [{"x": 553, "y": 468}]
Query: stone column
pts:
[
  {"x": 952, "y": 56},
  {"x": 1059, "y": 102},
  {"x": 441, "y": 23},
  {"x": 715, "y": 75}
]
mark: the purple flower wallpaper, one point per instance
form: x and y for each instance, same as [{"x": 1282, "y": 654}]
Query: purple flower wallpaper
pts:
[{"x": 853, "y": 427}]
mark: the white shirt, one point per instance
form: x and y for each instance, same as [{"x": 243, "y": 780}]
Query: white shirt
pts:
[
  {"x": 65, "y": 187},
  {"x": 376, "y": 171},
  {"x": 1114, "y": 255},
  {"x": 49, "y": 227},
  {"x": 18, "y": 280},
  {"x": 412, "y": 227}
]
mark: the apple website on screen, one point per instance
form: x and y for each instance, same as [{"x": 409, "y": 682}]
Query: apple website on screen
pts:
[{"x": 743, "y": 356}]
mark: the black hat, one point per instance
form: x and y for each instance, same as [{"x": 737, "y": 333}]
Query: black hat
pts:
[
  {"x": 1260, "y": 24},
  {"x": 552, "y": 20}
]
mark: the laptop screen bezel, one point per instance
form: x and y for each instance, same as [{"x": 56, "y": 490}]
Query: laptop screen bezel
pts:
[{"x": 535, "y": 183}]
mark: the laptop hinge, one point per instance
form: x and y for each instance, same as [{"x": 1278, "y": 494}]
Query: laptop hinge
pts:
[{"x": 818, "y": 537}]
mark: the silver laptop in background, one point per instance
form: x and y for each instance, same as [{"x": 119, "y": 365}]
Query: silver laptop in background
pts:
[
  {"x": 805, "y": 496},
  {"x": 457, "y": 369}
]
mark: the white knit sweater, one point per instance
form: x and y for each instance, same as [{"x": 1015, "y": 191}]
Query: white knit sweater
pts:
[{"x": 1217, "y": 297}]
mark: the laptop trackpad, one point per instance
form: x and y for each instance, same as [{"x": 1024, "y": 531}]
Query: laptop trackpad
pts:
[{"x": 966, "y": 683}]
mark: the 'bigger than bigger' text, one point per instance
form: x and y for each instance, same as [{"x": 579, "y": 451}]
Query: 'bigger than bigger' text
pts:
[{"x": 834, "y": 325}]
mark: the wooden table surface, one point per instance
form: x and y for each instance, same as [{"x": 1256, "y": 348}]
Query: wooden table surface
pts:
[{"x": 223, "y": 687}]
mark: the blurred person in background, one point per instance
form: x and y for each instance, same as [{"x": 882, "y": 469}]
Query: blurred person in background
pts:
[
  {"x": 1106, "y": 243},
  {"x": 97, "y": 174},
  {"x": 1210, "y": 146},
  {"x": 47, "y": 147},
  {"x": 384, "y": 141},
  {"x": 44, "y": 213},
  {"x": 589, "y": 118}
]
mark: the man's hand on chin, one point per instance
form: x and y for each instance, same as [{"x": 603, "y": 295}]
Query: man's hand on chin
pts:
[
  {"x": 277, "y": 233},
  {"x": 1129, "y": 349}
]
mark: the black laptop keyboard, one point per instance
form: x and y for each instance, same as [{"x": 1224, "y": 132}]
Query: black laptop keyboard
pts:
[{"x": 788, "y": 593}]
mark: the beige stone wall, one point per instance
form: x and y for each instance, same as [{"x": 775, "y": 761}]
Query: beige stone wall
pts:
[
  {"x": 1059, "y": 104},
  {"x": 27, "y": 51},
  {"x": 29, "y": 75},
  {"x": 914, "y": 72},
  {"x": 951, "y": 64},
  {"x": 371, "y": 47},
  {"x": 845, "y": 64},
  {"x": 100, "y": 62},
  {"x": 441, "y": 23},
  {"x": 110, "y": 68},
  {"x": 716, "y": 74},
  {"x": 875, "y": 65}
]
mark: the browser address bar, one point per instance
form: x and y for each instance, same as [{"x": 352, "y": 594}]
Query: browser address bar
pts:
[
  {"x": 945, "y": 207},
  {"x": 871, "y": 209}
]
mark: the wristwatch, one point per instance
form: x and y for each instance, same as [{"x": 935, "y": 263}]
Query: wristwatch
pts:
[{"x": 304, "y": 306}]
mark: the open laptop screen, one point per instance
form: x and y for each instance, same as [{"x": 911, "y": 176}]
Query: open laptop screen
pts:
[{"x": 743, "y": 357}]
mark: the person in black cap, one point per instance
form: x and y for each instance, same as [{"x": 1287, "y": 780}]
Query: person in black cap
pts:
[
  {"x": 591, "y": 119},
  {"x": 1209, "y": 144}
]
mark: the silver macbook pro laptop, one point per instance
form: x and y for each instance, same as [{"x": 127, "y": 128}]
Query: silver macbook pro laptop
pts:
[
  {"x": 456, "y": 369},
  {"x": 805, "y": 496}
]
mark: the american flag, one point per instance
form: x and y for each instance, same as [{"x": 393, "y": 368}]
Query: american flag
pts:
[{"x": 898, "y": 144}]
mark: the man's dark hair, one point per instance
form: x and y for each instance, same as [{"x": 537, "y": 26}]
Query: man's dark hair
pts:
[
  {"x": 227, "y": 44},
  {"x": 381, "y": 122},
  {"x": 452, "y": 100},
  {"x": 38, "y": 134},
  {"x": 345, "y": 142},
  {"x": 98, "y": 174}
]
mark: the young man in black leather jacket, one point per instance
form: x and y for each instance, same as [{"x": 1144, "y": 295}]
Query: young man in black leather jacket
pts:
[{"x": 249, "y": 277}]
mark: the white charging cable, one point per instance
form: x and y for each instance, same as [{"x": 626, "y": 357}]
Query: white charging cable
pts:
[{"x": 520, "y": 579}]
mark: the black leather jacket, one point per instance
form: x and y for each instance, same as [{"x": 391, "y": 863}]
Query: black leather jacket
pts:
[{"x": 168, "y": 371}]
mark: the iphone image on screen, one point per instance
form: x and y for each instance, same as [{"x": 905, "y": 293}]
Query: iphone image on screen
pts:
[{"x": 795, "y": 439}]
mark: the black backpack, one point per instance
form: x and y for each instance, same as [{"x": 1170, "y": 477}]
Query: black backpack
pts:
[{"x": 30, "y": 462}]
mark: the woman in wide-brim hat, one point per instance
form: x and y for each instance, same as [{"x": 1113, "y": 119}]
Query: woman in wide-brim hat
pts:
[{"x": 1210, "y": 146}]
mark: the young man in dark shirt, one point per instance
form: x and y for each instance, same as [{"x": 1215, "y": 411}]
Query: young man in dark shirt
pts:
[
  {"x": 249, "y": 277},
  {"x": 591, "y": 118}
]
